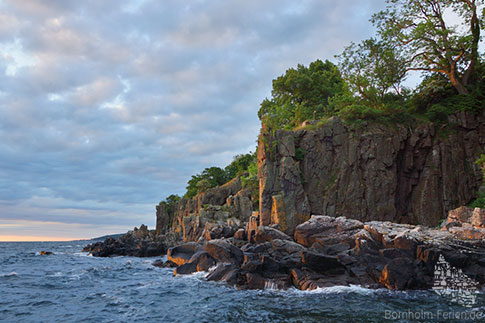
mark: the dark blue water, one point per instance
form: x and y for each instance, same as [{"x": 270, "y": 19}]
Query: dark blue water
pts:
[{"x": 69, "y": 286}]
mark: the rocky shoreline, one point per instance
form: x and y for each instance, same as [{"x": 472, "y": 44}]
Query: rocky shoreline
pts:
[
  {"x": 379, "y": 177},
  {"x": 323, "y": 252}
]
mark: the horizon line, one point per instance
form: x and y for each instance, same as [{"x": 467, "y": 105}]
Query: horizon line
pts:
[{"x": 22, "y": 238}]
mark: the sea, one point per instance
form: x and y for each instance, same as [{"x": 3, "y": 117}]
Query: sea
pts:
[{"x": 71, "y": 286}]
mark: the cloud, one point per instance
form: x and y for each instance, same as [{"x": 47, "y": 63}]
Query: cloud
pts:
[{"x": 108, "y": 107}]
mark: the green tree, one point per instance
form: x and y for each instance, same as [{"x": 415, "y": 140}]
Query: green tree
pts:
[
  {"x": 170, "y": 202},
  {"x": 372, "y": 69},
  {"x": 422, "y": 31},
  {"x": 301, "y": 94},
  {"x": 239, "y": 165},
  {"x": 210, "y": 177}
]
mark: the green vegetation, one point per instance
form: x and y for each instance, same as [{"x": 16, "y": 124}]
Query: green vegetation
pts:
[
  {"x": 412, "y": 35},
  {"x": 366, "y": 85},
  {"x": 170, "y": 203},
  {"x": 302, "y": 93},
  {"x": 480, "y": 201},
  {"x": 215, "y": 176}
]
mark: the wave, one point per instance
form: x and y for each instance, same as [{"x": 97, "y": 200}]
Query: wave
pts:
[{"x": 11, "y": 274}]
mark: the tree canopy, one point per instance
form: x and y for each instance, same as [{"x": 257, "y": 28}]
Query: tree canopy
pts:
[
  {"x": 372, "y": 69},
  {"x": 215, "y": 176},
  {"x": 423, "y": 31},
  {"x": 302, "y": 94}
]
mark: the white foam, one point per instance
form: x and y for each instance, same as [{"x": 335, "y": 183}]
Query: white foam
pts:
[
  {"x": 271, "y": 287},
  {"x": 269, "y": 284},
  {"x": 82, "y": 254},
  {"x": 344, "y": 290},
  {"x": 11, "y": 274}
]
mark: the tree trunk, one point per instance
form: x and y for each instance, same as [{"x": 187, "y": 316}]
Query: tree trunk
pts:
[
  {"x": 475, "y": 33},
  {"x": 457, "y": 83}
]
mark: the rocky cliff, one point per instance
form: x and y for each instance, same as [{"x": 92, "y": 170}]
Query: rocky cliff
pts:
[
  {"x": 218, "y": 212},
  {"x": 394, "y": 173}
]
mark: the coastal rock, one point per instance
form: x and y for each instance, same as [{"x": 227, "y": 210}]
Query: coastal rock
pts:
[
  {"x": 383, "y": 254},
  {"x": 139, "y": 243},
  {"x": 224, "y": 251},
  {"x": 320, "y": 262},
  {"x": 226, "y": 273},
  {"x": 163, "y": 218},
  {"x": 46, "y": 253},
  {"x": 466, "y": 223},
  {"x": 252, "y": 227},
  {"x": 265, "y": 233},
  {"x": 462, "y": 214},
  {"x": 202, "y": 260},
  {"x": 185, "y": 269},
  {"x": 181, "y": 254},
  {"x": 255, "y": 281},
  {"x": 240, "y": 234},
  {"x": 401, "y": 174},
  {"x": 327, "y": 230},
  {"x": 167, "y": 264},
  {"x": 478, "y": 218}
]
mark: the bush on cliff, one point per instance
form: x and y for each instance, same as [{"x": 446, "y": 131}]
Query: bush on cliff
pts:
[
  {"x": 216, "y": 176},
  {"x": 302, "y": 93},
  {"x": 367, "y": 85},
  {"x": 480, "y": 201}
]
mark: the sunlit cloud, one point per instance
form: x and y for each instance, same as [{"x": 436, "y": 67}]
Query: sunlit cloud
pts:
[{"x": 107, "y": 107}]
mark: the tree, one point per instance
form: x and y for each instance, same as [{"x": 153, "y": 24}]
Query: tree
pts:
[
  {"x": 239, "y": 165},
  {"x": 422, "y": 31},
  {"x": 372, "y": 69},
  {"x": 300, "y": 92},
  {"x": 210, "y": 177}
]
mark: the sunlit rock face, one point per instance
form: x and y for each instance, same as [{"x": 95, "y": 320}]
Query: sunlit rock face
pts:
[
  {"x": 466, "y": 223},
  {"x": 374, "y": 172},
  {"x": 328, "y": 251},
  {"x": 217, "y": 213}
]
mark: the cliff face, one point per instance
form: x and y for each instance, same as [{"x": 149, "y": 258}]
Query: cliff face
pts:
[
  {"x": 228, "y": 205},
  {"x": 377, "y": 172}
]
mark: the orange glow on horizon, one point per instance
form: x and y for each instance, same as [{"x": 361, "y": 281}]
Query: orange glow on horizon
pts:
[{"x": 34, "y": 239}]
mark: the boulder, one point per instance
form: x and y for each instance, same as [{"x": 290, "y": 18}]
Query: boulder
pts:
[
  {"x": 185, "y": 269},
  {"x": 255, "y": 281},
  {"x": 240, "y": 234},
  {"x": 327, "y": 230},
  {"x": 252, "y": 263},
  {"x": 202, "y": 260},
  {"x": 181, "y": 254},
  {"x": 160, "y": 263},
  {"x": 265, "y": 233},
  {"x": 462, "y": 214},
  {"x": 478, "y": 218},
  {"x": 468, "y": 233},
  {"x": 320, "y": 262},
  {"x": 224, "y": 272},
  {"x": 398, "y": 274},
  {"x": 224, "y": 251}
]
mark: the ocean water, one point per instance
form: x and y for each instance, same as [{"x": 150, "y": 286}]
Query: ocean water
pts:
[{"x": 70, "y": 286}]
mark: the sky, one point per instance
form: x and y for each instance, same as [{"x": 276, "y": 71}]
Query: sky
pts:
[{"x": 107, "y": 107}]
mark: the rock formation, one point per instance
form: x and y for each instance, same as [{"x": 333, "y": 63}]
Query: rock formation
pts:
[
  {"x": 362, "y": 180},
  {"x": 375, "y": 172},
  {"x": 218, "y": 212},
  {"x": 328, "y": 251},
  {"x": 138, "y": 243}
]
